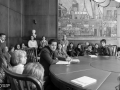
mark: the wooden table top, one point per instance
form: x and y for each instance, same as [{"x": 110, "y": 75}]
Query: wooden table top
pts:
[{"x": 104, "y": 69}]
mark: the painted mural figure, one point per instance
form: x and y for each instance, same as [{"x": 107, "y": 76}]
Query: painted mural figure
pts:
[{"x": 85, "y": 18}]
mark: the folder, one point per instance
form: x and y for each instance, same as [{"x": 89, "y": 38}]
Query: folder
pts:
[{"x": 84, "y": 81}]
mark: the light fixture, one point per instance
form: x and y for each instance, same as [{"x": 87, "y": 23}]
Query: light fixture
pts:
[{"x": 117, "y": 1}]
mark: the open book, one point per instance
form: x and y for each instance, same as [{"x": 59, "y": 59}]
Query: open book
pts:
[{"x": 84, "y": 81}]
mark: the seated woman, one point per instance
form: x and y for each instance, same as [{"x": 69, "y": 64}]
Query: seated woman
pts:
[
  {"x": 43, "y": 42},
  {"x": 11, "y": 50},
  {"x": 17, "y": 47},
  {"x": 23, "y": 46},
  {"x": 96, "y": 49},
  {"x": 71, "y": 50},
  {"x": 103, "y": 51},
  {"x": 60, "y": 52},
  {"x": 32, "y": 43},
  {"x": 35, "y": 70},
  {"x": 78, "y": 50},
  {"x": 89, "y": 50},
  {"x": 18, "y": 60}
]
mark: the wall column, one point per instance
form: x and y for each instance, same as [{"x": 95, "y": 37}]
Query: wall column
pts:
[{"x": 118, "y": 27}]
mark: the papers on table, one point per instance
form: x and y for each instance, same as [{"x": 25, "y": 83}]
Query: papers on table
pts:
[
  {"x": 66, "y": 62},
  {"x": 93, "y": 56},
  {"x": 75, "y": 61},
  {"x": 62, "y": 62},
  {"x": 84, "y": 81}
]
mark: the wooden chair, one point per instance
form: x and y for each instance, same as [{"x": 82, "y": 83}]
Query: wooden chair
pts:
[
  {"x": 31, "y": 55},
  {"x": 19, "y": 81},
  {"x": 113, "y": 50}
]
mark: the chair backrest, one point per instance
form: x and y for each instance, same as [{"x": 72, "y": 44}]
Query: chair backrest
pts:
[
  {"x": 113, "y": 50},
  {"x": 3, "y": 61},
  {"x": 31, "y": 54},
  {"x": 20, "y": 81}
]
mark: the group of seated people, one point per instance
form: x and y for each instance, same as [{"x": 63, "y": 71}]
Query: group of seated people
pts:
[
  {"x": 50, "y": 53},
  {"x": 88, "y": 49}
]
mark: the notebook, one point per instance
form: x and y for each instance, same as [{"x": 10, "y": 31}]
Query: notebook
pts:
[{"x": 84, "y": 81}]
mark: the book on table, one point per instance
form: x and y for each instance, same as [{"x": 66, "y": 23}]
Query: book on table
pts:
[{"x": 84, "y": 81}]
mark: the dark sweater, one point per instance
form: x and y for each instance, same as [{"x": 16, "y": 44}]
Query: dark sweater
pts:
[
  {"x": 104, "y": 51},
  {"x": 47, "y": 57},
  {"x": 71, "y": 51},
  {"x": 2, "y": 46},
  {"x": 79, "y": 52}
]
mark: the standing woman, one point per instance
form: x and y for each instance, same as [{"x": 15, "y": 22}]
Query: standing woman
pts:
[
  {"x": 64, "y": 43},
  {"x": 32, "y": 43}
]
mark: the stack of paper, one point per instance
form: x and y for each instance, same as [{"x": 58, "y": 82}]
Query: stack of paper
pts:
[
  {"x": 62, "y": 62},
  {"x": 93, "y": 56},
  {"x": 84, "y": 81},
  {"x": 75, "y": 61}
]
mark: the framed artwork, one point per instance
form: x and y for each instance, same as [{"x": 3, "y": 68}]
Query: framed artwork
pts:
[{"x": 85, "y": 18}]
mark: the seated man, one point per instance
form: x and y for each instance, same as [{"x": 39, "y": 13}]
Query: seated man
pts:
[
  {"x": 103, "y": 51},
  {"x": 48, "y": 57}
]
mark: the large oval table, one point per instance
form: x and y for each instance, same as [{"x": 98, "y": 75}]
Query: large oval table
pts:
[{"x": 105, "y": 69}]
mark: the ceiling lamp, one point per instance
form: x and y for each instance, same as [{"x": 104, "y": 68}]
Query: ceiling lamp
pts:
[
  {"x": 99, "y": 1},
  {"x": 105, "y": 4},
  {"x": 117, "y": 0}
]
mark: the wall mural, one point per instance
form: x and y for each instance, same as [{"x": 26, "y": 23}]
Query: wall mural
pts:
[{"x": 87, "y": 18}]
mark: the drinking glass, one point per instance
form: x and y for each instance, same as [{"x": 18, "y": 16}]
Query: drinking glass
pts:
[{"x": 69, "y": 60}]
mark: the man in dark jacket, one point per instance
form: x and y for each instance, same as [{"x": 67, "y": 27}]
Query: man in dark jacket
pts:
[
  {"x": 48, "y": 57},
  {"x": 104, "y": 50}
]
